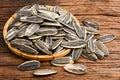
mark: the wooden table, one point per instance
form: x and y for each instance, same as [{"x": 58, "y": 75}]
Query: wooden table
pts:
[{"x": 104, "y": 12}]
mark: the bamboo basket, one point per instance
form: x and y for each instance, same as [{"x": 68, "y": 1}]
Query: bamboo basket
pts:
[{"x": 31, "y": 56}]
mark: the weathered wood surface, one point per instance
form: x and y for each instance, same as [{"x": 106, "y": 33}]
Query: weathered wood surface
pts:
[{"x": 104, "y": 12}]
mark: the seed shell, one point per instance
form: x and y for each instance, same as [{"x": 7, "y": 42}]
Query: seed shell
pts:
[
  {"x": 106, "y": 38},
  {"x": 74, "y": 44},
  {"x": 29, "y": 65},
  {"x": 76, "y": 53},
  {"x": 91, "y": 24},
  {"x": 43, "y": 72},
  {"x": 31, "y": 29},
  {"x": 42, "y": 46},
  {"x": 75, "y": 68},
  {"x": 45, "y": 31},
  {"x": 102, "y": 47},
  {"x": 27, "y": 49},
  {"x": 31, "y": 19},
  {"x": 90, "y": 56},
  {"x": 99, "y": 53},
  {"x": 56, "y": 43},
  {"x": 61, "y": 61}
]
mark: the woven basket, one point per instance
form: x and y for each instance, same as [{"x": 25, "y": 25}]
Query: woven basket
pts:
[{"x": 30, "y": 56}]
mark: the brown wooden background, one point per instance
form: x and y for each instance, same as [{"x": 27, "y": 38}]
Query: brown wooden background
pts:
[{"x": 104, "y": 12}]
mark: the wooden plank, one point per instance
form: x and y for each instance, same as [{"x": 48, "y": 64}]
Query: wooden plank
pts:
[
  {"x": 105, "y": 12},
  {"x": 58, "y": 2},
  {"x": 81, "y": 10},
  {"x": 110, "y": 73}
]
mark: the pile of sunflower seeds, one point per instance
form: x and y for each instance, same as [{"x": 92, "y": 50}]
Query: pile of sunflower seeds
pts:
[
  {"x": 40, "y": 28},
  {"x": 51, "y": 29}
]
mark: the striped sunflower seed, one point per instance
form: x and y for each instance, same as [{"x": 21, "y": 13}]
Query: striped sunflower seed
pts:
[
  {"x": 42, "y": 46},
  {"x": 61, "y": 61},
  {"x": 29, "y": 65},
  {"x": 76, "y": 53},
  {"x": 91, "y": 24},
  {"x": 106, "y": 38},
  {"x": 74, "y": 44},
  {"x": 43, "y": 72},
  {"x": 75, "y": 68},
  {"x": 102, "y": 47}
]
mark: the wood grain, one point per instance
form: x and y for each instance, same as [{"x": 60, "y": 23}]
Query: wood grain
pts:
[{"x": 105, "y": 12}]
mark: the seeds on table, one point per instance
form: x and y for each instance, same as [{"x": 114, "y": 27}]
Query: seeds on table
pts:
[
  {"x": 106, "y": 38},
  {"x": 75, "y": 68},
  {"x": 29, "y": 65},
  {"x": 43, "y": 72},
  {"x": 50, "y": 30}
]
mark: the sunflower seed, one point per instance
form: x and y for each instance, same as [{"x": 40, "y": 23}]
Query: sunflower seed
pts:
[
  {"x": 31, "y": 19},
  {"x": 84, "y": 32},
  {"x": 59, "y": 48},
  {"x": 107, "y": 38},
  {"x": 46, "y": 17},
  {"x": 67, "y": 18},
  {"x": 89, "y": 36},
  {"x": 92, "y": 30},
  {"x": 91, "y": 24},
  {"x": 76, "y": 53},
  {"x": 71, "y": 23},
  {"x": 25, "y": 11},
  {"x": 49, "y": 13},
  {"x": 49, "y": 41},
  {"x": 74, "y": 44},
  {"x": 61, "y": 18},
  {"x": 70, "y": 31},
  {"x": 55, "y": 24},
  {"x": 27, "y": 49},
  {"x": 45, "y": 31},
  {"x": 16, "y": 42},
  {"x": 56, "y": 43},
  {"x": 56, "y": 9},
  {"x": 102, "y": 47},
  {"x": 90, "y": 56},
  {"x": 75, "y": 68},
  {"x": 61, "y": 61},
  {"x": 31, "y": 29},
  {"x": 42, "y": 46},
  {"x": 22, "y": 29},
  {"x": 90, "y": 46},
  {"x": 11, "y": 34},
  {"x": 78, "y": 30},
  {"x": 99, "y": 53},
  {"x": 43, "y": 72},
  {"x": 29, "y": 65},
  {"x": 34, "y": 9},
  {"x": 70, "y": 37},
  {"x": 28, "y": 10}
]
